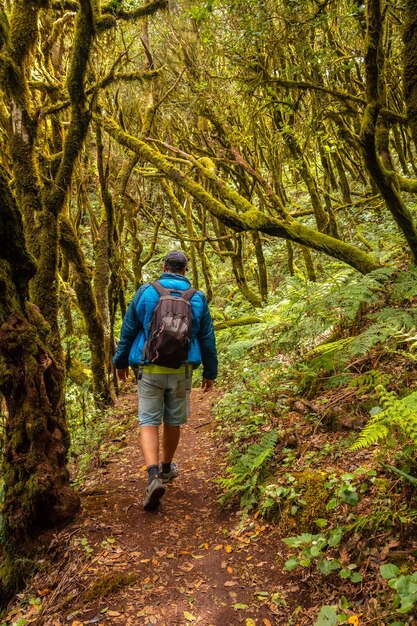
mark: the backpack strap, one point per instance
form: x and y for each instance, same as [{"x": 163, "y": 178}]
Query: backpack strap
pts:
[
  {"x": 188, "y": 294},
  {"x": 163, "y": 291}
]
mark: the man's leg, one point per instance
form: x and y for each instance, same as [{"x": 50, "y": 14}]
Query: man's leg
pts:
[
  {"x": 170, "y": 439},
  {"x": 174, "y": 417},
  {"x": 149, "y": 441},
  {"x": 150, "y": 413}
]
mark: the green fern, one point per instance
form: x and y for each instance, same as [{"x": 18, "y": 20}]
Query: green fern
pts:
[
  {"x": 248, "y": 471},
  {"x": 369, "y": 380},
  {"x": 397, "y": 414}
]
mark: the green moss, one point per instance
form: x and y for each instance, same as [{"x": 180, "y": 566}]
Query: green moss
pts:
[
  {"x": 109, "y": 584},
  {"x": 14, "y": 571},
  {"x": 314, "y": 493},
  {"x": 79, "y": 373}
]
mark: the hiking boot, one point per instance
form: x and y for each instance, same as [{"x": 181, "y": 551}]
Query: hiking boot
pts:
[
  {"x": 154, "y": 492},
  {"x": 166, "y": 477}
]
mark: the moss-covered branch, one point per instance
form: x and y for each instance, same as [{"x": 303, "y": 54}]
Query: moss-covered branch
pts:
[
  {"x": 105, "y": 82},
  {"x": 45, "y": 284},
  {"x": 242, "y": 321},
  {"x": 148, "y": 8},
  {"x": 250, "y": 218}
]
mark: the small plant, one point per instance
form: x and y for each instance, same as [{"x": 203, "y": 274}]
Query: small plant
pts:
[
  {"x": 277, "y": 495},
  {"x": 405, "y": 587},
  {"x": 312, "y": 550},
  {"x": 88, "y": 549},
  {"x": 249, "y": 470}
]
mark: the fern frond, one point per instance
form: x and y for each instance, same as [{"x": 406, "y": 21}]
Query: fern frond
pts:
[
  {"x": 369, "y": 380},
  {"x": 375, "y": 430},
  {"x": 398, "y": 414},
  {"x": 244, "y": 476}
]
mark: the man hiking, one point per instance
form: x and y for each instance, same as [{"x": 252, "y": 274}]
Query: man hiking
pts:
[{"x": 166, "y": 333}]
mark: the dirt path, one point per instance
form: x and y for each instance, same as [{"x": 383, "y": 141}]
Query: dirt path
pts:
[{"x": 188, "y": 563}]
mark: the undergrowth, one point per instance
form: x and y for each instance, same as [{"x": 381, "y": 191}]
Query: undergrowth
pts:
[{"x": 324, "y": 379}]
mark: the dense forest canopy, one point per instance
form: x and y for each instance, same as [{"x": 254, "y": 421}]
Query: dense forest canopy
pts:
[{"x": 266, "y": 138}]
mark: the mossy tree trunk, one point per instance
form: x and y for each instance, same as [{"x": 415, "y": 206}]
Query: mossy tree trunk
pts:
[
  {"x": 410, "y": 65},
  {"x": 384, "y": 179},
  {"x": 92, "y": 317},
  {"x": 37, "y": 492}
]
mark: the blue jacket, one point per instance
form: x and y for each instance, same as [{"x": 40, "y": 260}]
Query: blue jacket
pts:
[{"x": 135, "y": 327}]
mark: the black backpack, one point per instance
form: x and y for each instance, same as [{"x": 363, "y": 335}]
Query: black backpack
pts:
[{"x": 170, "y": 327}]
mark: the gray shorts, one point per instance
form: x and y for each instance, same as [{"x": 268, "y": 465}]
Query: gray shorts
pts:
[{"x": 162, "y": 398}]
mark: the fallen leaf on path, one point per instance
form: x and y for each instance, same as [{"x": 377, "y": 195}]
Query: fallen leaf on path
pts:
[
  {"x": 113, "y": 613},
  {"x": 250, "y": 622},
  {"x": 43, "y": 592},
  {"x": 239, "y": 606},
  {"x": 228, "y": 549},
  {"x": 189, "y": 616},
  {"x": 266, "y": 622}
]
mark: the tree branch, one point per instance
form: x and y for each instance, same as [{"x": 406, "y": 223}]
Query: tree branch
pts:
[{"x": 250, "y": 218}]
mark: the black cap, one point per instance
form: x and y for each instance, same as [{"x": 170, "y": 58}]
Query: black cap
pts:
[{"x": 177, "y": 257}]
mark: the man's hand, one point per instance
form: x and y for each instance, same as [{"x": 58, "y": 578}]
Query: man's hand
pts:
[
  {"x": 207, "y": 384},
  {"x": 123, "y": 374}
]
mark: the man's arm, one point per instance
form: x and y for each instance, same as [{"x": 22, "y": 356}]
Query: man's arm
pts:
[
  {"x": 207, "y": 341},
  {"x": 130, "y": 328}
]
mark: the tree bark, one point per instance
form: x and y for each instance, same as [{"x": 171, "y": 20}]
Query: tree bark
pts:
[
  {"x": 37, "y": 492},
  {"x": 92, "y": 318}
]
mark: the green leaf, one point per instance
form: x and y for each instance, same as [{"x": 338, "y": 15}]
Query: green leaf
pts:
[
  {"x": 299, "y": 540},
  {"x": 349, "y": 496},
  {"x": 411, "y": 479},
  {"x": 321, "y": 522},
  {"x": 291, "y": 564},
  {"x": 326, "y": 617},
  {"x": 239, "y": 606},
  {"x": 389, "y": 571},
  {"x": 327, "y": 566},
  {"x": 335, "y": 537},
  {"x": 332, "y": 504},
  {"x": 356, "y": 577}
]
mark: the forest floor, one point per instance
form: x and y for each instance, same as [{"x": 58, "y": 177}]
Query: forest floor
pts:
[{"x": 190, "y": 562}]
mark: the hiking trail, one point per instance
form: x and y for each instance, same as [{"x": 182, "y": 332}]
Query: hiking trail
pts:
[{"x": 190, "y": 562}]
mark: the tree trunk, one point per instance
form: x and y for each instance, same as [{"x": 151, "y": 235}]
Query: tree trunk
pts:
[
  {"x": 37, "y": 493},
  {"x": 88, "y": 306}
]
